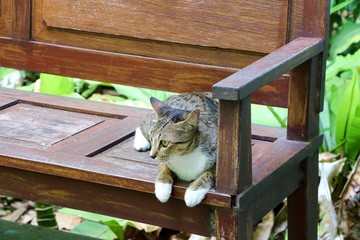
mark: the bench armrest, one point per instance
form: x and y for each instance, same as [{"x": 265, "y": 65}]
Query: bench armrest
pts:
[{"x": 258, "y": 74}]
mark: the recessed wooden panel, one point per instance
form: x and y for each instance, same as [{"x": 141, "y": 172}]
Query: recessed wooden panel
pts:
[
  {"x": 5, "y": 18},
  {"x": 225, "y": 24},
  {"x": 43, "y": 126}
]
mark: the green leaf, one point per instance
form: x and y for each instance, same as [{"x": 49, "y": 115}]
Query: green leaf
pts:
[
  {"x": 348, "y": 34},
  {"x": 57, "y": 85},
  {"x": 141, "y": 94},
  {"x": 340, "y": 6},
  {"x": 263, "y": 115},
  {"x": 45, "y": 215},
  {"x": 353, "y": 138},
  {"x": 116, "y": 228},
  {"x": 325, "y": 127},
  {"x": 340, "y": 64},
  {"x": 88, "y": 215},
  {"x": 5, "y": 71},
  {"x": 347, "y": 112},
  {"x": 94, "y": 229}
]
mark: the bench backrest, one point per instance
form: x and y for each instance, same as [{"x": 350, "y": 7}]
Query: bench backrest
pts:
[{"x": 168, "y": 45}]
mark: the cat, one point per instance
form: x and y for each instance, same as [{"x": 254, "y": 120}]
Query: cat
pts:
[{"x": 181, "y": 134}]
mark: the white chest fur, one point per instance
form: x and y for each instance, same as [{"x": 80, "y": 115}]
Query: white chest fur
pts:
[{"x": 188, "y": 167}]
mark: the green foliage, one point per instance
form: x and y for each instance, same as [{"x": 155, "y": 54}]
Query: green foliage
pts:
[
  {"x": 45, "y": 215},
  {"x": 340, "y": 119},
  {"x": 99, "y": 226},
  {"x": 94, "y": 229},
  {"x": 348, "y": 34},
  {"x": 56, "y": 85},
  {"x": 341, "y": 115},
  {"x": 5, "y": 71}
]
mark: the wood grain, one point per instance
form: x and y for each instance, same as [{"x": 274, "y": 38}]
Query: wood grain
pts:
[
  {"x": 113, "y": 201},
  {"x": 5, "y": 18},
  {"x": 134, "y": 70},
  {"x": 20, "y": 24},
  {"x": 200, "y": 22},
  {"x": 302, "y": 204},
  {"x": 234, "y": 147},
  {"x": 304, "y": 100},
  {"x": 246, "y": 81},
  {"x": 43, "y": 126}
]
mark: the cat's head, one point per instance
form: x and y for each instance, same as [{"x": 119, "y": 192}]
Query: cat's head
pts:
[{"x": 175, "y": 131}]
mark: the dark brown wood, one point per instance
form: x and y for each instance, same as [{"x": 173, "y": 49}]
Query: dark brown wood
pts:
[
  {"x": 129, "y": 204},
  {"x": 304, "y": 97},
  {"x": 71, "y": 104},
  {"x": 287, "y": 178},
  {"x": 20, "y": 28},
  {"x": 155, "y": 73},
  {"x": 303, "y": 203},
  {"x": 79, "y": 153},
  {"x": 6, "y": 102},
  {"x": 233, "y": 224},
  {"x": 234, "y": 165},
  {"x": 5, "y": 24},
  {"x": 102, "y": 137},
  {"x": 246, "y": 81}
]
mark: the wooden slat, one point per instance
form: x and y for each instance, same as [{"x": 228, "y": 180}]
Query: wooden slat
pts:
[
  {"x": 120, "y": 173},
  {"x": 7, "y": 102},
  {"x": 191, "y": 22},
  {"x": 113, "y": 201},
  {"x": 155, "y": 73},
  {"x": 134, "y": 70},
  {"x": 20, "y": 24},
  {"x": 5, "y": 24},
  {"x": 100, "y": 137},
  {"x": 41, "y": 125},
  {"x": 246, "y": 81},
  {"x": 141, "y": 47},
  {"x": 71, "y": 104},
  {"x": 278, "y": 154}
]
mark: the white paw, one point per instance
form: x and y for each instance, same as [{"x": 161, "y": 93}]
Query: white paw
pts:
[
  {"x": 163, "y": 191},
  {"x": 140, "y": 142},
  {"x": 194, "y": 197}
]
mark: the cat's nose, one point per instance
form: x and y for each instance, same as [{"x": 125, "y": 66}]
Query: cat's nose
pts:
[{"x": 153, "y": 153}]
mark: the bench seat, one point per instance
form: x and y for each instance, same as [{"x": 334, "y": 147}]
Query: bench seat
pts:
[{"x": 63, "y": 153}]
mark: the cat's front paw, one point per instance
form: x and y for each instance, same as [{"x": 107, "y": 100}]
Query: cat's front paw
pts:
[
  {"x": 163, "y": 191},
  {"x": 194, "y": 197},
  {"x": 141, "y": 144}
]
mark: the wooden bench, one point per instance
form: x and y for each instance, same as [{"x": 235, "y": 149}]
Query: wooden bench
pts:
[{"x": 79, "y": 154}]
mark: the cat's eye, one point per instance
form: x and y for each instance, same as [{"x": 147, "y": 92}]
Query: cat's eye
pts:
[{"x": 164, "y": 143}]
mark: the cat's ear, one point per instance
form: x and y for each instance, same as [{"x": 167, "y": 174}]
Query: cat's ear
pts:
[
  {"x": 193, "y": 118},
  {"x": 159, "y": 106}
]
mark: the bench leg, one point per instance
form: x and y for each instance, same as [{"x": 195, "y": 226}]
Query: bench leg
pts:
[
  {"x": 232, "y": 224},
  {"x": 303, "y": 203}
]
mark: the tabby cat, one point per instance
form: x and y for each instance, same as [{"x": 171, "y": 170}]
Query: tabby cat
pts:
[{"x": 182, "y": 135}]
